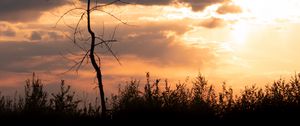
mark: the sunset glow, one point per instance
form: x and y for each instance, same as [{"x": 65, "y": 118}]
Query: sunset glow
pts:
[
  {"x": 270, "y": 9},
  {"x": 239, "y": 32},
  {"x": 240, "y": 42}
]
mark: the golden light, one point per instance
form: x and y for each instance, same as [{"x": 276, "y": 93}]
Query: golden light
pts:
[
  {"x": 239, "y": 32},
  {"x": 262, "y": 12},
  {"x": 270, "y": 10}
]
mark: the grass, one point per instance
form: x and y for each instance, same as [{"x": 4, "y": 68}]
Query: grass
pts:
[{"x": 279, "y": 102}]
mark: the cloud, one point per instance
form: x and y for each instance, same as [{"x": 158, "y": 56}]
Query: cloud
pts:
[
  {"x": 54, "y": 35},
  {"x": 196, "y": 5},
  {"x": 199, "y": 5},
  {"x": 26, "y": 10},
  {"x": 159, "y": 43},
  {"x": 35, "y": 35},
  {"x": 44, "y": 35},
  {"x": 30, "y": 10},
  {"x": 7, "y": 30},
  {"x": 212, "y": 23},
  {"x": 141, "y": 2},
  {"x": 165, "y": 52},
  {"x": 229, "y": 9},
  {"x": 29, "y": 56}
]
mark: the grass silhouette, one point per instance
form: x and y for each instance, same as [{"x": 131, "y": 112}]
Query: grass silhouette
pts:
[{"x": 279, "y": 102}]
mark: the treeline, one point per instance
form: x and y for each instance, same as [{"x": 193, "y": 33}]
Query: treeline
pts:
[{"x": 158, "y": 102}]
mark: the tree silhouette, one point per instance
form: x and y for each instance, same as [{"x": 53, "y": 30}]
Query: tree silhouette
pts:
[{"x": 90, "y": 54}]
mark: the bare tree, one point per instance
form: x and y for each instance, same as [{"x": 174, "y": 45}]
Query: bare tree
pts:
[{"x": 90, "y": 54}]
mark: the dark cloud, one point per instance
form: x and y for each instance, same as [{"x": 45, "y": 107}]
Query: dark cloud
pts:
[
  {"x": 212, "y": 23},
  {"x": 45, "y": 36},
  {"x": 54, "y": 35},
  {"x": 35, "y": 35},
  {"x": 199, "y": 5},
  {"x": 229, "y": 9},
  {"x": 29, "y": 10},
  {"x": 196, "y": 5},
  {"x": 141, "y": 2},
  {"x": 6, "y": 30},
  {"x": 9, "y": 33},
  {"x": 26, "y": 10},
  {"x": 152, "y": 43},
  {"x": 27, "y": 56}
]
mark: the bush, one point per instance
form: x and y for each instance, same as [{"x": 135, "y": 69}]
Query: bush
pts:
[{"x": 277, "y": 102}]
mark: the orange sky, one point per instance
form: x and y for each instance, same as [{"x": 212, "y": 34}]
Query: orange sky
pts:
[{"x": 241, "y": 42}]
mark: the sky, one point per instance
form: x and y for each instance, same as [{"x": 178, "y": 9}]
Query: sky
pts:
[{"x": 240, "y": 42}]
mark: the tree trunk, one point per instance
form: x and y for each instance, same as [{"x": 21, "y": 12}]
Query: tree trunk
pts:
[{"x": 94, "y": 63}]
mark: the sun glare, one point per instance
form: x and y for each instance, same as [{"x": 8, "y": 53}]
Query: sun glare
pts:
[
  {"x": 262, "y": 12},
  {"x": 239, "y": 32},
  {"x": 270, "y": 10}
]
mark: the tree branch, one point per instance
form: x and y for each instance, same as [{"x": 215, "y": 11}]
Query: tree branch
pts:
[{"x": 67, "y": 12}]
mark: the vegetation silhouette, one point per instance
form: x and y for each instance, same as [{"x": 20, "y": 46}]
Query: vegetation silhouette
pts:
[
  {"x": 159, "y": 102},
  {"x": 93, "y": 40}
]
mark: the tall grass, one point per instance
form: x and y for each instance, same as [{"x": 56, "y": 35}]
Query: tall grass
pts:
[{"x": 159, "y": 102}]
